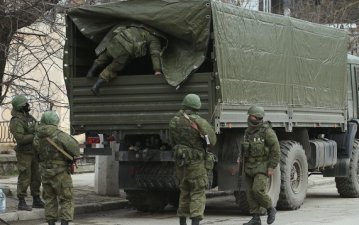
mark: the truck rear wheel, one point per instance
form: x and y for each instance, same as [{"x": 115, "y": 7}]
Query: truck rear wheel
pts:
[
  {"x": 348, "y": 187},
  {"x": 147, "y": 201},
  {"x": 294, "y": 175},
  {"x": 273, "y": 192}
]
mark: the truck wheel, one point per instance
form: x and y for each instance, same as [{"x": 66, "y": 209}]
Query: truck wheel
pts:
[
  {"x": 147, "y": 201},
  {"x": 294, "y": 175},
  {"x": 273, "y": 192},
  {"x": 348, "y": 187}
]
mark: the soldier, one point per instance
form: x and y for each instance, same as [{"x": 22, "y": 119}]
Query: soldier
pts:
[
  {"x": 119, "y": 46},
  {"x": 261, "y": 157},
  {"x": 22, "y": 127},
  {"x": 187, "y": 131},
  {"x": 55, "y": 168}
]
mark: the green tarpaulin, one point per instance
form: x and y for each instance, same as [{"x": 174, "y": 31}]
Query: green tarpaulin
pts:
[
  {"x": 185, "y": 24},
  {"x": 275, "y": 60}
]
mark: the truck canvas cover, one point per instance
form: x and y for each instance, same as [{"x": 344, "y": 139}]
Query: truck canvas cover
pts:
[
  {"x": 185, "y": 24},
  {"x": 274, "y": 60}
]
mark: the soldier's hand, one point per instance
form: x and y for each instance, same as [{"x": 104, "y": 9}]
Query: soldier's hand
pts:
[
  {"x": 270, "y": 172},
  {"x": 158, "y": 73}
]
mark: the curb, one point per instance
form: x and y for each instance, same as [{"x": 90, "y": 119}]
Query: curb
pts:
[
  {"x": 320, "y": 183},
  {"x": 36, "y": 214}
]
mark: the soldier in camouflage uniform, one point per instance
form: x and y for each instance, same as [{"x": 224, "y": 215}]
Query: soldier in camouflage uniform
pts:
[
  {"x": 261, "y": 157},
  {"x": 187, "y": 130},
  {"x": 55, "y": 168},
  {"x": 22, "y": 127},
  {"x": 119, "y": 46}
]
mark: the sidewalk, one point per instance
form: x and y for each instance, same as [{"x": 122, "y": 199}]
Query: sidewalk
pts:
[
  {"x": 87, "y": 201},
  {"x": 85, "y": 198}
]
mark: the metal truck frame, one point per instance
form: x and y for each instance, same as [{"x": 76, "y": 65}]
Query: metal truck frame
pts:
[{"x": 316, "y": 122}]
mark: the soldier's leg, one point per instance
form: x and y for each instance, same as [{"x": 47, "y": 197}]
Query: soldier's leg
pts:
[
  {"x": 35, "y": 184},
  {"x": 198, "y": 197},
  {"x": 99, "y": 64},
  {"x": 66, "y": 197},
  {"x": 111, "y": 71},
  {"x": 254, "y": 207},
  {"x": 24, "y": 168},
  {"x": 50, "y": 197},
  {"x": 184, "y": 199},
  {"x": 259, "y": 191}
]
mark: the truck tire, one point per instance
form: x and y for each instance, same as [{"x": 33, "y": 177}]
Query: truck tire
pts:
[
  {"x": 294, "y": 175},
  {"x": 273, "y": 192},
  {"x": 147, "y": 201},
  {"x": 348, "y": 187},
  {"x": 173, "y": 198}
]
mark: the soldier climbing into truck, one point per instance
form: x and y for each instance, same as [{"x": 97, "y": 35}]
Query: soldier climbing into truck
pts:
[{"x": 121, "y": 44}]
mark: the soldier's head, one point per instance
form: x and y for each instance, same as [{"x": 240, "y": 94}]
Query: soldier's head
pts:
[
  {"x": 50, "y": 118},
  {"x": 192, "y": 101},
  {"x": 255, "y": 115},
  {"x": 20, "y": 103}
]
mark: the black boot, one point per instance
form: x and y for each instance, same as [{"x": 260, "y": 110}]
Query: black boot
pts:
[
  {"x": 271, "y": 215},
  {"x": 64, "y": 222},
  {"x": 94, "y": 70},
  {"x": 195, "y": 220},
  {"x": 183, "y": 221},
  {"x": 51, "y": 222},
  {"x": 96, "y": 87},
  {"x": 22, "y": 205},
  {"x": 256, "y": 220},
  {"x": 37, "y": 203}
]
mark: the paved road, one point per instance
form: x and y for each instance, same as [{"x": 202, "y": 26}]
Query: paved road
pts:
[{"x": 322, "y": 206}]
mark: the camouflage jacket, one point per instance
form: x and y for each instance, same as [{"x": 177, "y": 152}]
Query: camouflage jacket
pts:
[
  {"x": 51, "y": 160},
  {"x": 261, "y": 149},
  {"x": 184, "y": 136},
  {"x": 137, "y": 41},
  {"x": 22, "y": 127}
]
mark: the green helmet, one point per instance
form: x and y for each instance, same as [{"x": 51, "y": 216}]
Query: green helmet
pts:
[
  {"x": 257, "y": 111},
  {"x": 50, "y": 118},
  {"x": 18, "y": 102},
  {"x": 192, "y": 101}
]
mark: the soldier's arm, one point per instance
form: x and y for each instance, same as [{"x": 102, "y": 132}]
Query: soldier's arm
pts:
[
  {"x": 69, "y": 144},
  {"x": 272, "y": 143},
  {"x": 207, "y": 129},
  {"x": 154, "y": 45},
  {"x": 18, "y": 131}
]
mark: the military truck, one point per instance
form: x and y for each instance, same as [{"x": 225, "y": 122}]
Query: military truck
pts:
[{"x": 232, "y": 58}]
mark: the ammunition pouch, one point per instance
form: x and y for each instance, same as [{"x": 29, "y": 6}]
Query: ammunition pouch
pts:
[{"x": 184, "y": 155}]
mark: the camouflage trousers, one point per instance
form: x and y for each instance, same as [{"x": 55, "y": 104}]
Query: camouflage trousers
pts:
[
  {"x": 29, "y": 174},
  {"x": 58, "y": 197},
  {"x": 192, "y": 199},
  {"x": 113, "y": 65},
  {"x": 256, "y": 190}
]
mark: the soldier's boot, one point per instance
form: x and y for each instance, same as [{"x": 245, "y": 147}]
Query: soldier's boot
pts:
[
  {"x": 256, "y": 220},
  {"x": 95, "y": 70},
  {"x": 37, "y": 202},
  {"x": 195, "y": 220},
  {"x": 182, "y": 221},
  {"x": 271, "y": 215},
  {"x": 22, "y": 205},
  {"x": 96, "y": 87},
  {"x": 64, "y": 222},
  {"x": 51, "y": 222}
]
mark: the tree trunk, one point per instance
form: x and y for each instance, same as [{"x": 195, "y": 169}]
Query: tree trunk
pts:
[{"x": 5, "y": 39}]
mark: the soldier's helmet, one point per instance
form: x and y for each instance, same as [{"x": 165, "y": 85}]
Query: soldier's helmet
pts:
[
  {"x": 50, "y": 118},
  {"x": 18, "y": 102},
  {"x": 192, "y": 101},
  {"x": 256, "y": 111}
]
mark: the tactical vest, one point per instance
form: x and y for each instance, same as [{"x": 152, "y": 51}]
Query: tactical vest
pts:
[{"x": 255, "y": 150}]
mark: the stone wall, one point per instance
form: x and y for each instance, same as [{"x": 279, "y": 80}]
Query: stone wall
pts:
[{"x": 7, "y": 165}]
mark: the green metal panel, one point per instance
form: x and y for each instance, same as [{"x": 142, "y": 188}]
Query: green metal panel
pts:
[{"x": 137, "y": 103}]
